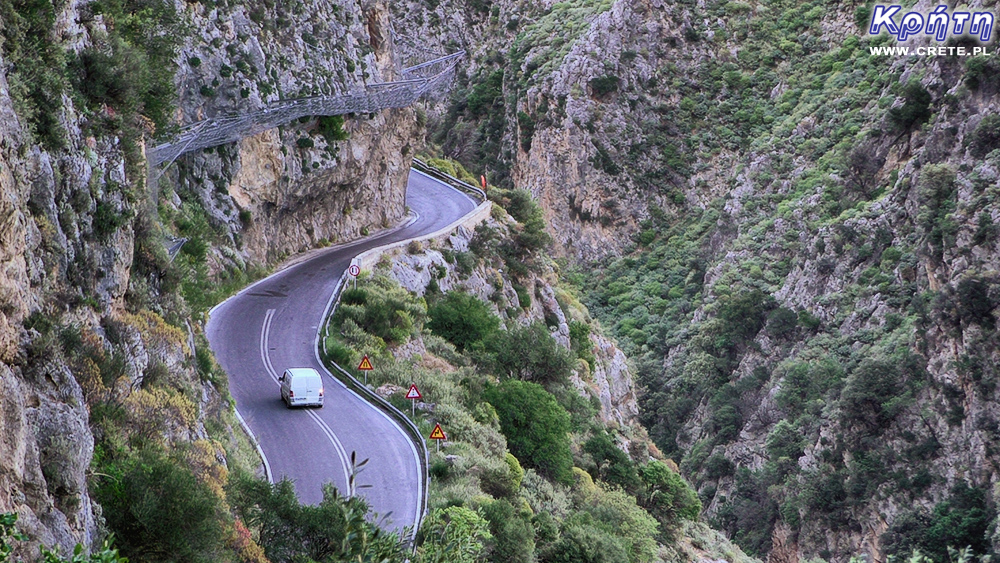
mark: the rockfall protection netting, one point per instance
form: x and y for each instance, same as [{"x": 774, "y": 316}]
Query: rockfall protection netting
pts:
[{"x": 417, "y": 80}]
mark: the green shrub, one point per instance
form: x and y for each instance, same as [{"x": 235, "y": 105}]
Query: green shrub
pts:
[
  {"x": 485, "y": 94},
  {"x": 784, "y": 441},
  {"x": 454, "y": 534},
  {"x": 877, "y": 391},
  {"x": 612, "y": 465},
  {"x": 916, "y": 108},
  {"x": 975, "y": 305},
  {"x": 781, "y": 322},
  {"x": 526, "y": 130},
  {"x": 513, "y": 534},
  {"x": 986, "y": 136},
  {"x": 523, "y": 297},
  {"x": 579, "y": 342},
  {"x": 331, "y": 127},
  {"x": 603, "y": 85},
  {"x": 107, "y": 220},
  {"x": 718, "y": 466},
  {"x": 936, "y": 198},
  {"x": 960, "y": 521},
  {"x": 535, "y": 426},
  {"x": 337, "y": 529},
  {"x": 142, "y": 499},
  {"x": 462, "y": 319},
  {"x": 304, "y": 143},
  {"x": 585, "y": 543},
  {"x": 528, "y": 353},
  {"x": 981, "y": 72},
  {"x": 805, "y": 386},
  {"x": 667, "y": 496},
  {"x": 384, "y": 310}
]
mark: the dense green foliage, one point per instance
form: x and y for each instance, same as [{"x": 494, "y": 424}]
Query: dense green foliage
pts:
[
  {"x": 485, "y": 506},
  {"x": 453, "y": 535},
  {"x": 383, "y": 310},
  {"x": 337, "y": 529},
  {"x": 141, "y": 495},
  {"x": 535, "y": 425},
  {"x": 528, "y": 353},
  {"x": 462, "y": 320},
  {"x": 126, "y": 73},
  {"x": 963, "y": 519}
]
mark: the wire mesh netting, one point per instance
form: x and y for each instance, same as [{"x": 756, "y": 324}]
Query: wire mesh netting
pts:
[{"x": 418, "y": 80}]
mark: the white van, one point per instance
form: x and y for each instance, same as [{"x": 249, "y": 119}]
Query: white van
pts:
[{"x": 301, "y": 387}]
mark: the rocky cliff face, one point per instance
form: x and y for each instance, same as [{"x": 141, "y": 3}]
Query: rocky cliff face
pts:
[
  {"x": 286, "y": 190},
  {"x": 93, "y": 313}
]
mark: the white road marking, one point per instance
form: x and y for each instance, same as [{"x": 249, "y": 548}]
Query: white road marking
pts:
[
  {"x": 413, "y": 448},
  {"x": 265, "y": 332}
]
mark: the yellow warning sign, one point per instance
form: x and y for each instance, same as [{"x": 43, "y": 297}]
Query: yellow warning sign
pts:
[
  {"x": 437, "y": 433},
  {"x": 366, "y": 364}
]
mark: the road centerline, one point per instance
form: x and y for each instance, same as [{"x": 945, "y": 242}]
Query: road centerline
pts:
[{"x": 265, "y": 331}]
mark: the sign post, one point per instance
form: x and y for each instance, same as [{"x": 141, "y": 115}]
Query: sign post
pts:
[
  {"x": 437, "y": 435},
  {"x": 365, "y": 366},
  {"x": 413, "y": 394},
  {"x": 354, "y": 270}
]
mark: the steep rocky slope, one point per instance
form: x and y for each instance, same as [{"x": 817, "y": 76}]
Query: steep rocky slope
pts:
[
  {"x": 100, "y": 358},
  {"x": 809, "y": 283},
  {"x": 288, "y": 189}
]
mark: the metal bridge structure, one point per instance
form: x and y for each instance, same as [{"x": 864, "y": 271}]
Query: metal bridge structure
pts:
[{"x": 416, "y": 81}]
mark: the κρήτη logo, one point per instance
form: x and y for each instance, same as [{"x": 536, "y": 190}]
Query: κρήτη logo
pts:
[{"x": 939, "y": 23}]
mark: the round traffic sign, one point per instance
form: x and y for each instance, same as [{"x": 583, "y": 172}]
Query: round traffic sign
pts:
[{"x": 354, "y": 270}]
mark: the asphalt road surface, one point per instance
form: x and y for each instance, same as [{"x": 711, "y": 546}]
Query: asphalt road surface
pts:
[{"x": 272, "y": 325}]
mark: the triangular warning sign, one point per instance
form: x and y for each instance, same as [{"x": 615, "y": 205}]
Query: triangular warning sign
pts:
[
  {"x": 437, "y": 433},
  {"x": 414, "y": 393},
  {"x": 366, "y": 364}
]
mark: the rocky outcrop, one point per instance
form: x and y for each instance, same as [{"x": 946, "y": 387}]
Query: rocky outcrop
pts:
[
  {"x": 85, "y": 280},
  {"x": 286, "y": 190}
]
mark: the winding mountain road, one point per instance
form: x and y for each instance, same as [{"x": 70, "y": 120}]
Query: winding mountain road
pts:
[{"x": 273, "y": 324}]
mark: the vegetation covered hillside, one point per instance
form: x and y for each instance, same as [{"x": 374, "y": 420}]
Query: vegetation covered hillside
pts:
[
  {"x": 794, "y": 238},
  {"x": 529, "y": 471}
]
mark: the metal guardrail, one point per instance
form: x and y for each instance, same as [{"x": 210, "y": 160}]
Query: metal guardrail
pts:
[
  {"x": 375, "y": 399},
  {"x": 451, "y": 180},
  {"x": 408, "y": 425}
]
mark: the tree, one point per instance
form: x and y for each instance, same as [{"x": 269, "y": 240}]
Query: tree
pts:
[
  {"x": 585, "y": 544},
  {"x": 528, "y": 353},
  {"x": 916, "y": 108},
  {"x": 513, "y": 534},
  {"x": 462, "y": 319},
  {"x": 335, "y": 530},
  {"x": 536, "y": 427},
  {"x": 613, "y": 466},
  {"x": 159, "y": 510},
  {"x": 668, "y": 497}
]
